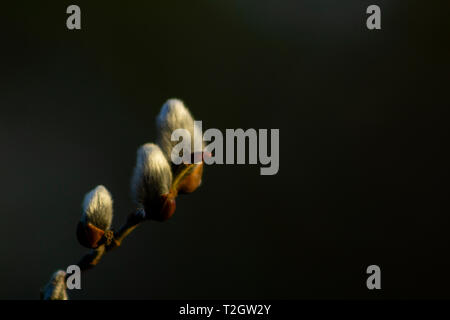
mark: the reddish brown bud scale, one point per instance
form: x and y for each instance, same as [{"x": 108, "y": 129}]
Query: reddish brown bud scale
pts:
[
  {"x": 89, "y": 235},
  {"x": 192, "y": 181},
  {"x": 168, "y": 207},
  {"x": 162, "y": 209}
]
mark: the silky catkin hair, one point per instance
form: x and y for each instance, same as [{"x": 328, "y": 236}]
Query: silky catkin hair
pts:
[
  {"x": 98, "y": 208},
  {"x": 174, "y": 115},
  {"x": 152, "y": 176}
]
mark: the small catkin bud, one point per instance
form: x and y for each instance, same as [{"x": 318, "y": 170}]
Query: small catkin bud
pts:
[
  {"x": 151, "y": 183},
  {"x": 174, "y": 115},
  {"x": 96, "y": 218},
  {"x": 55, "y": 289}
]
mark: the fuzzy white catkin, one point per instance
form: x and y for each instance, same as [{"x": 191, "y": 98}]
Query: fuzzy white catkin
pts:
[
  {"x": 55, "y": 289},
  {"x": 98, "y": 208},
  {"x": 174, "y": 115},
  {"x": 152, "y": 176}
]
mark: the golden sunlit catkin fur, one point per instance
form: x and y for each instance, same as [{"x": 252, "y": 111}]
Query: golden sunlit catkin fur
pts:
[
  {"x": 174, "y": 115},
  {"x": 55, "y": 289},
  {"x": 98, "y": 208},
  {"x": 152, "y": 176}
]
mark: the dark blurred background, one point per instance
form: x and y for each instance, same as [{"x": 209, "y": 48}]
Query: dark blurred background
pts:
[{"x": 363, "y": 119}]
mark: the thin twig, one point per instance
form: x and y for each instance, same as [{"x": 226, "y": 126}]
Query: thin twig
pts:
[{"x": 91, "y": 259}]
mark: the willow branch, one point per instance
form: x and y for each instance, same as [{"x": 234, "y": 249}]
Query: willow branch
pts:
[
  {"x": 113, "y": 240},
  {"x": 155, "y": 184}
]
